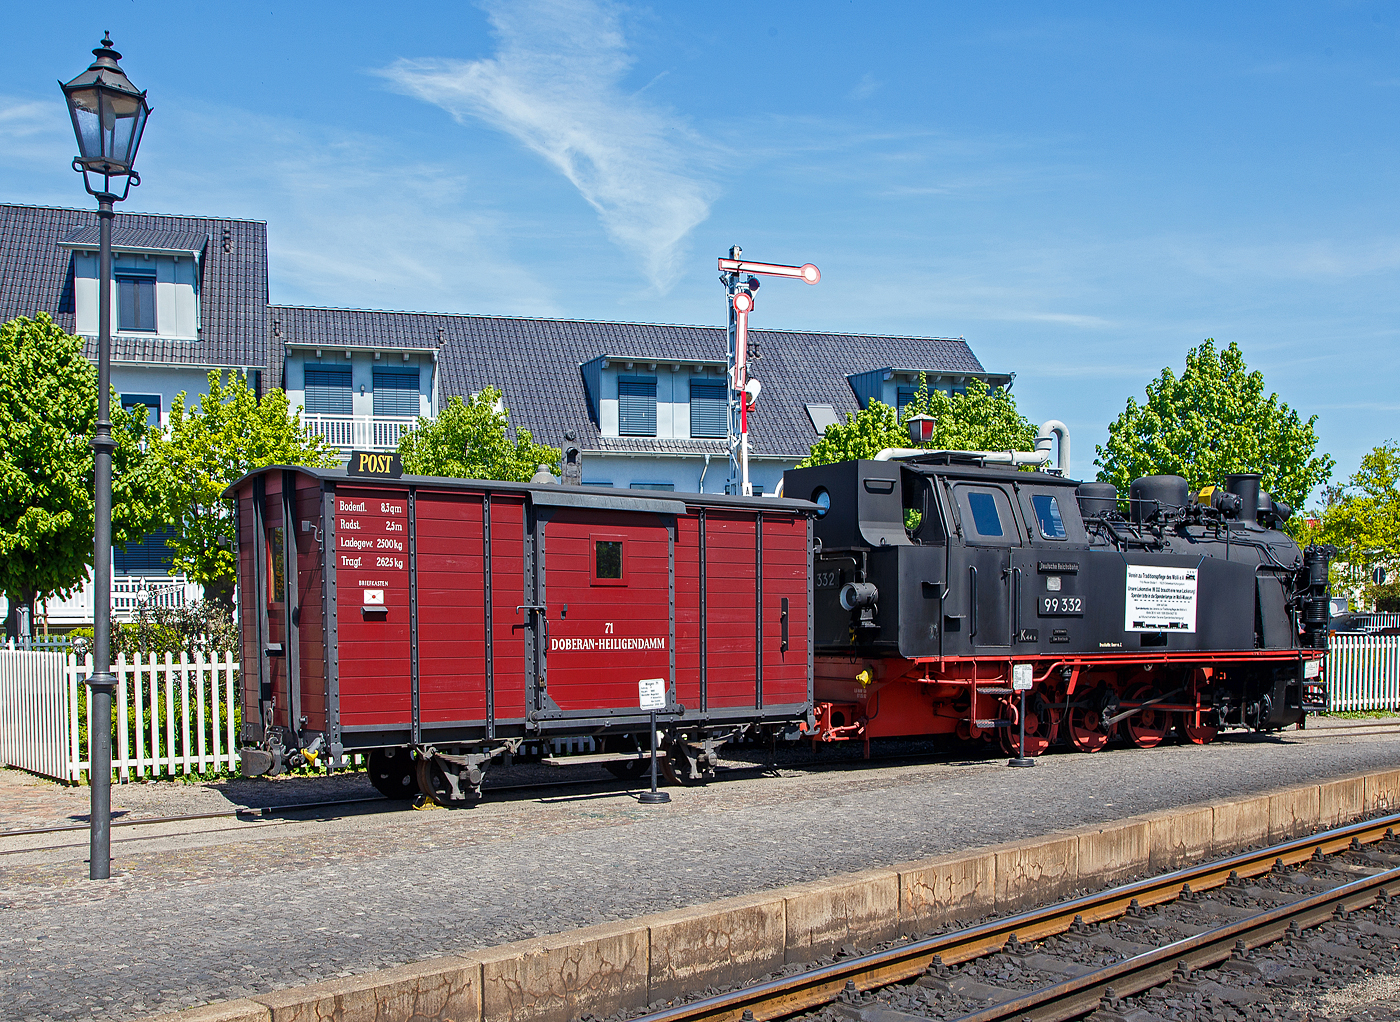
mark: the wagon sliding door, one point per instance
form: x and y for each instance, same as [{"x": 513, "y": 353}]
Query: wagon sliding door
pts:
[
  {"x": 606, "y": 582},
  {"x": 756, "y": 629}
]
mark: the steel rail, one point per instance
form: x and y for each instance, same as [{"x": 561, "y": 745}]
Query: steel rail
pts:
[
  {"x": 789, "y": 995},
  {"x": 1082, "y": 994}
]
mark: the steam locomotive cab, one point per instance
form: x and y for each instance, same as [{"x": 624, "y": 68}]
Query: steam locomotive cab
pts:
[{"x": 935, "y": 575}]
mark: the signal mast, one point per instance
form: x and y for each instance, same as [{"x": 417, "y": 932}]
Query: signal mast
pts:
[{"x": 740, "y": 279}]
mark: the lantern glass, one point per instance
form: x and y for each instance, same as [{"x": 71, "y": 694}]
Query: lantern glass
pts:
[{"x": 109, "y": 114}]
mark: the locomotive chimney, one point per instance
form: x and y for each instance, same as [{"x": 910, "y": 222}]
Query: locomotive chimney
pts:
[{"x": 1245, "y": 485}]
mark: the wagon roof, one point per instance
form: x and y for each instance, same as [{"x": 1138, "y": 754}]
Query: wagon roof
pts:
[{"x": 546, "y": 493}]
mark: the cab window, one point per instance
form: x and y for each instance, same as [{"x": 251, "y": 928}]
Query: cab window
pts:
[
  {"x": 1047, "y": 516},
  {"x": 986, "y": 515}
]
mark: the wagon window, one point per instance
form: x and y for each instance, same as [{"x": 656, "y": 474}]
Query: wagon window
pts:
[
  {"x": 984, "y": 513},
  {"x": 1047, "y": 513},
  {"x": 607, "y": 559},
  {"x": 276, "y": 577}
]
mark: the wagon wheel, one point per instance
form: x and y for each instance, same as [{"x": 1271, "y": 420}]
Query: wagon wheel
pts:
[
  {"x": 1147, "y": 727},
  {"x": 1036, "y": 741},
  {"x": 1086, "y": 730},
  {"x": 434, "y": 783},
  {"x": 629, "y": 769},
  {"x": 392, "y": 773},
  {"x": 682, "y": 765}
]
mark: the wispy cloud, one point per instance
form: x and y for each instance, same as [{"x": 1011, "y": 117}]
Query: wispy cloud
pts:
[
  {"x": 866, "y": 87},
  {"x": 351, "y": 221},
  {"x": 555, "y": 85}
]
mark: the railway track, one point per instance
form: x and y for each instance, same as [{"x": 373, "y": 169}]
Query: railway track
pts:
[{"x": 1067, "y": 960}]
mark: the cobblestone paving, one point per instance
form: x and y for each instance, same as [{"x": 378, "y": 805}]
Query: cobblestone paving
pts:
[{"x": 262, "y": 907}]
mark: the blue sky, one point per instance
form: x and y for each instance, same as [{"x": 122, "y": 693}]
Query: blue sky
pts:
[{"x": 1082, "y": 191}]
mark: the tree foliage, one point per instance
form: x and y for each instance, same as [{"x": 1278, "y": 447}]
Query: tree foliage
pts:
[
  {"x": 1209, "y": 422},
  {"x": 48, "y": 417},
  {"x": 982, "y": 419},
  {"x": 211, "y": 444},
  {"x": 1362, "y": 519},
  {"x": 471, "y": 440}
]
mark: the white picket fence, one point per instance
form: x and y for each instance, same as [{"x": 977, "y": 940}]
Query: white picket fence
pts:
[
  {"x": 173, "y": 716},
  {"x": 1363, "y": 672}
]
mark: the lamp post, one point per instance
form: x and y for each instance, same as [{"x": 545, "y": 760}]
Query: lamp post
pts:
[{"x": 109, "y": 114}]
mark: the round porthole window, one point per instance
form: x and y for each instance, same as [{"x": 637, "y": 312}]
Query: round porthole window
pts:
[{"x": 822, "y": 499}]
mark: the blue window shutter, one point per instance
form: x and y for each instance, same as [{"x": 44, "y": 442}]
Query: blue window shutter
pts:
[
  {"x": 904, "y": 395},
  {"x": 709, "y": 408},
  {"x": 136, "y": 303},
  {"x": 327, "y": 390},
  {"x": 396, "y": 391},
  {"x": 636, "y": 405},
  {"x": 151, "y": 556}
]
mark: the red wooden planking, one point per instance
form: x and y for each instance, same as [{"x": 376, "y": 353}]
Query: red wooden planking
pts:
[{"x": 451, "y": 607}]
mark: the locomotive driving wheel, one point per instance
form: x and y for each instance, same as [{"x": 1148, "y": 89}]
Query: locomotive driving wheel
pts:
[
  {"x": 1038, "y": 727},
  {"x": 1199, "y": 727},
  {"x": 1148, "y": 726},
  {"x": 392, "y": 773},
  {"x": 1086, "y": 730}
]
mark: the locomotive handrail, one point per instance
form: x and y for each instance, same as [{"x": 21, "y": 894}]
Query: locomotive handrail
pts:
[{"x": 972, "y": 594}]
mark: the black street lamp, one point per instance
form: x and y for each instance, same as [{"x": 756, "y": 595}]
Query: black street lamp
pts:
[{"x": 109, "y": 114}]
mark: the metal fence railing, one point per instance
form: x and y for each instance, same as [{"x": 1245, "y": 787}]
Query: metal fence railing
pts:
[
  {"x": 373, "y": 432},
  {"x": 1363, "y": 672}
]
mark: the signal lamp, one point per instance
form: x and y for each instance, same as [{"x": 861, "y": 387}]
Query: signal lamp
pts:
[{"x": 921, "y": 428}]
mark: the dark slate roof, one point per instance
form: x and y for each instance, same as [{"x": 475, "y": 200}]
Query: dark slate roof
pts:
[
  {"x": 128, "y": 240},
  {"x": 536, "y": 364},
  {"x": 36, "y": 275}
]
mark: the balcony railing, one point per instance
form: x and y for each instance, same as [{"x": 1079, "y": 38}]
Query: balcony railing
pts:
[
  {"x": 130, "y": 595},
  {"x": 360, "y": 432}
]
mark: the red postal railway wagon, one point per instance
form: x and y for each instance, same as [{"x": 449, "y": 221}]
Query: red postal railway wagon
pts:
[{"x": 439, "y": 623}]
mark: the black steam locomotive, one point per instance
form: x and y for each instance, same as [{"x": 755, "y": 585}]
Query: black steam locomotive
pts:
[{"x": 945, "y": 587}]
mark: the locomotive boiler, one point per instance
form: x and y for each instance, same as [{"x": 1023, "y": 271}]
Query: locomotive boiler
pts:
[{"x": 940, "y": 579}]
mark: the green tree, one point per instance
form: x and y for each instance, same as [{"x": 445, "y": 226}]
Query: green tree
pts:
[
  {"x": 1362, "y": 519},
  {"x": 48, "y": 417},
  {"x": 211, "y": 444},
  {"x": 982, "y": 419},
  {"x": 471, "y": 440},
  {"x": 1211, "y": 421}
]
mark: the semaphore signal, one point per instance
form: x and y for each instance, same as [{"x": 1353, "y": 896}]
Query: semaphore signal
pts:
[{"x": 740, "y": 278}]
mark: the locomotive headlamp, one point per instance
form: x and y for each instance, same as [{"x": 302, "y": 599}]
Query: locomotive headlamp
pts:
[{"x": 858, "y": 594}]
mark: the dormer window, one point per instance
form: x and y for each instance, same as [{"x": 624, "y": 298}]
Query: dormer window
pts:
[
  {"x": 136, "y": 301},
  {"x": 636, "y": 405},
  {"x": 709, "y": 408}
]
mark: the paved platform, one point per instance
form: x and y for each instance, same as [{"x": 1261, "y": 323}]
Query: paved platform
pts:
[{"x": 246, "y": 909}]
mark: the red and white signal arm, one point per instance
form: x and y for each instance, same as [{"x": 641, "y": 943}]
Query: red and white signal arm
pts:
[{"x": 743, "y": 301}]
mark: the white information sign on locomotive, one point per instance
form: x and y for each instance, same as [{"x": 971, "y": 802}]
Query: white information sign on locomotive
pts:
[
  {"x": 1160, "y": 599},
  {"x": 651, "y": 693}
]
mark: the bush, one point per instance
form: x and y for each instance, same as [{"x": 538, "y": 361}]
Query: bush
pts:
[{"x": 199, "y": 627}]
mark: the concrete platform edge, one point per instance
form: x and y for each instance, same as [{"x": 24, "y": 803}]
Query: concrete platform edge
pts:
[{"x": 600, "y": 970}]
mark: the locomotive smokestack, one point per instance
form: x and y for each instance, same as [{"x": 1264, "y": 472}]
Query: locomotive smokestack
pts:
[{"x": 1245, "y": 485}]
